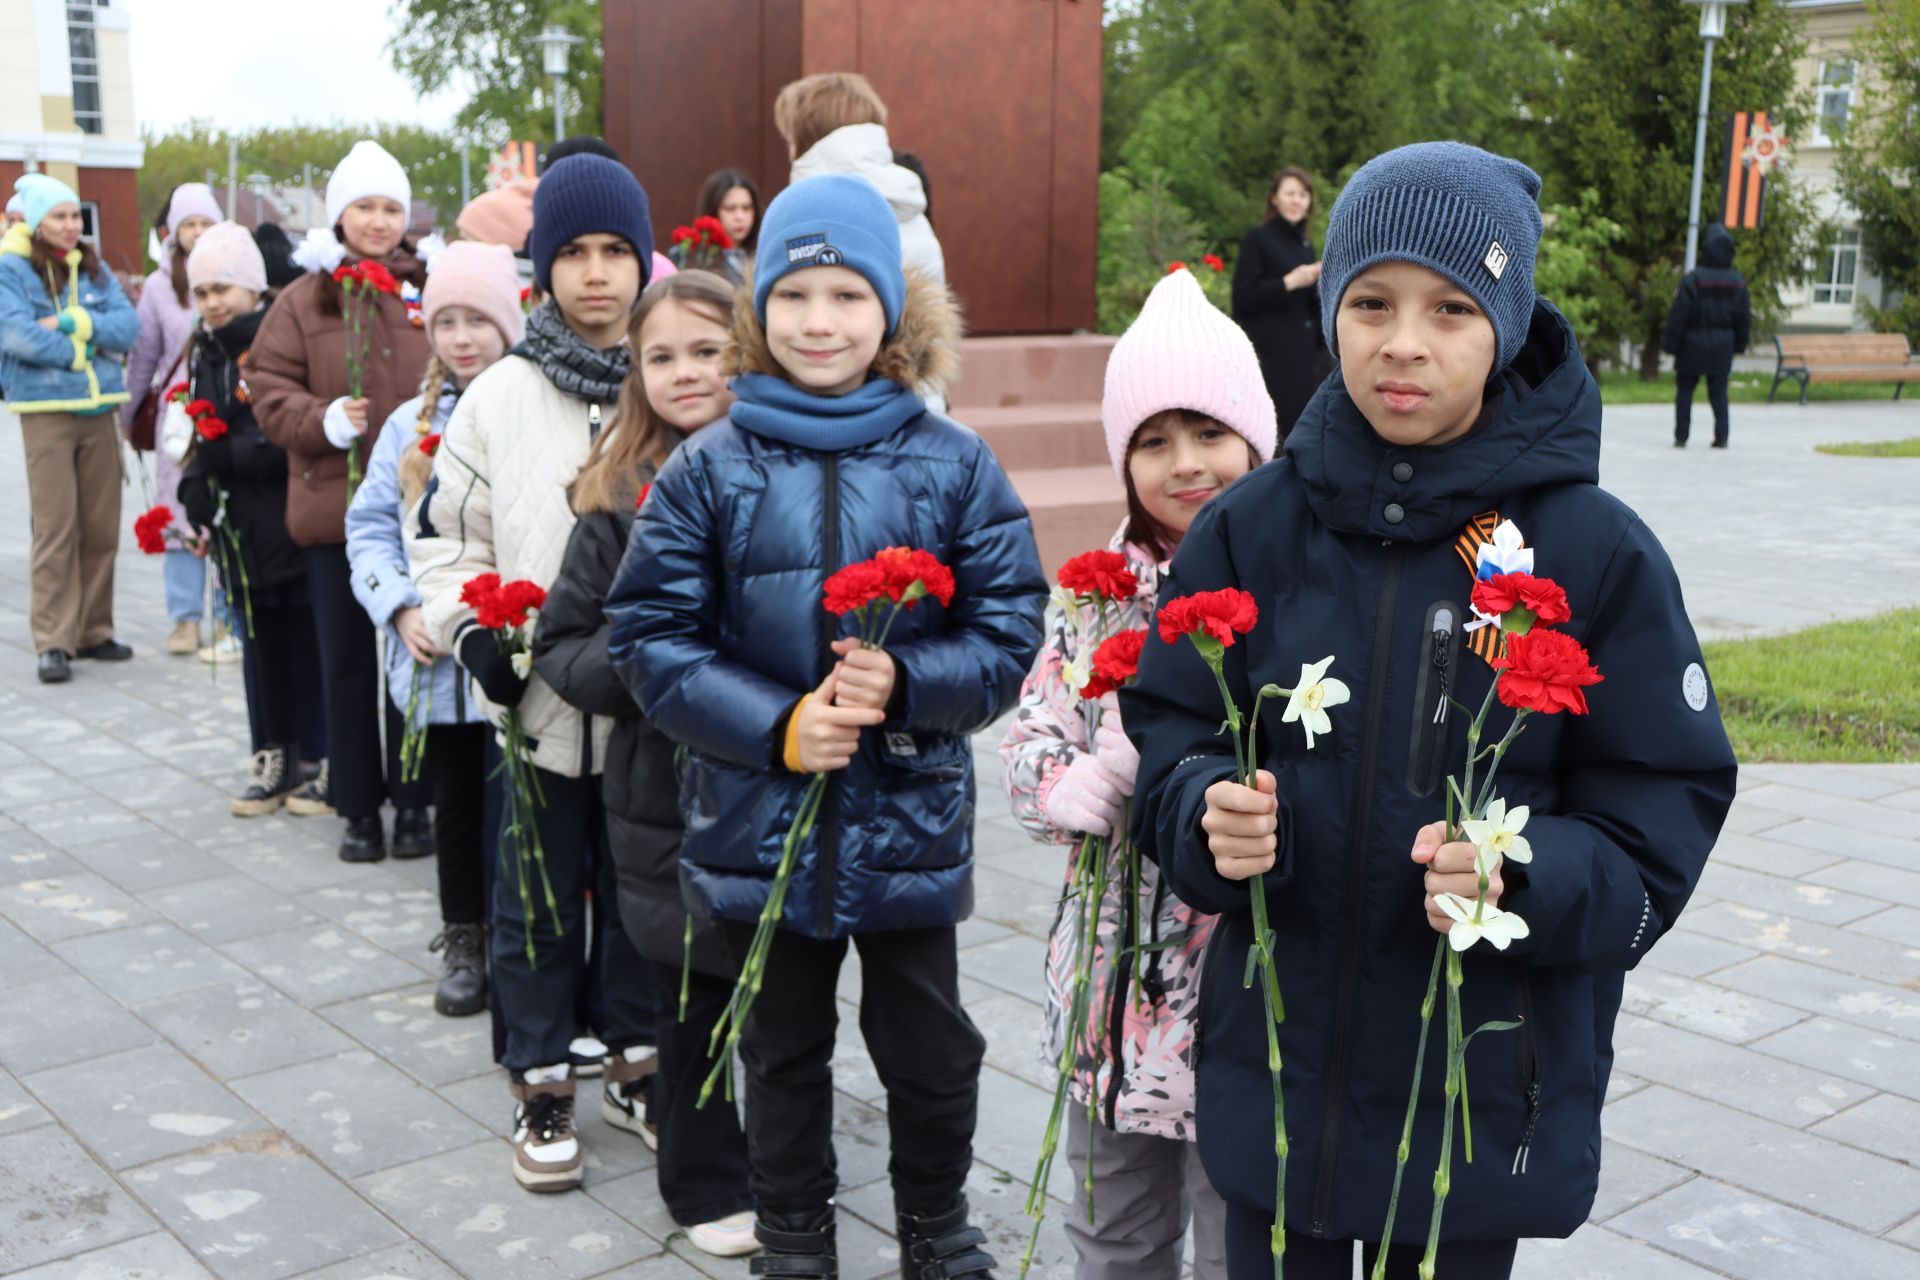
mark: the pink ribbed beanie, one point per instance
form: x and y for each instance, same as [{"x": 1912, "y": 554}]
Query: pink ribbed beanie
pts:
[
  {"x": 226, "y": 253},
  {"x": 501, "y": 216},
  {"x": 1180, "y": 352},
  {"x": 481, "y": 276}
]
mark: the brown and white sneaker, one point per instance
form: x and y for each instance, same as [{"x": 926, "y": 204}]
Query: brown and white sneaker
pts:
[
  {"x": 184, "y": 639},
  {"x": 546, "y": 1152},
  {"x": 628, "y": 1093}
]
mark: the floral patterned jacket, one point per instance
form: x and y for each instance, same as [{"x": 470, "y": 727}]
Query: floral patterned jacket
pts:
[{"x": 1154, "y": 1045}]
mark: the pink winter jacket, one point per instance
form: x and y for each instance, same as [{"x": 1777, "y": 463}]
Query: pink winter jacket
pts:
[
  {"x": 1156, "y": 1044},
  {"x": 165, "y": 326}
]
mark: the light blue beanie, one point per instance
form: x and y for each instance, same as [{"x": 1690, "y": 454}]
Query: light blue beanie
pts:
[
  {"x": 1468, "y": 214},
  {"x": 39, "y": 194},
  {"x": 834, "y": 220}
]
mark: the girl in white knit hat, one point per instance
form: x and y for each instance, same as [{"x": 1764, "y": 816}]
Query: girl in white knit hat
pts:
[{"x": 1186, "y": 414}]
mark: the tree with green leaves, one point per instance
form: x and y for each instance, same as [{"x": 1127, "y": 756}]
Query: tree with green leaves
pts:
[
  {"x": 490, "y": 44},
  {"x": 1879, "y": 162}
]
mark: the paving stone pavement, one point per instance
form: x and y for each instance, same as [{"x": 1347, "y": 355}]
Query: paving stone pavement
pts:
[{"x": 218, "y": 1055}]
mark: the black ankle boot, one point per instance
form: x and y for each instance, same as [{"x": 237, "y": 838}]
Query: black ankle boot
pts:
[
  {"x": 942, "y": 1246},
  {"x": 365, "y": 840},
  {"x": 463, "y": 985},
  {"x": 797, "y": 1246},
  {"x": 412, "y": 833}
]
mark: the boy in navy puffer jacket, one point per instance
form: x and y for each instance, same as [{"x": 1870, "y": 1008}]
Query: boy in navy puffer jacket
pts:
[
  {"x": 1461, "y": 401},
  {"x": 717, "y": 625}
]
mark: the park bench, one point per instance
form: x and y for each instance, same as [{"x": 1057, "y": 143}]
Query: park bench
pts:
[{"x": 1843, "y": 357}]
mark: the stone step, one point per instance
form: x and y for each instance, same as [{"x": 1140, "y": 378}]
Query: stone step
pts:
[
  {"x": 1074, "y": 509},
  {"x": 1056, "y": 369},
  {"x": 1028, "y": 437}
]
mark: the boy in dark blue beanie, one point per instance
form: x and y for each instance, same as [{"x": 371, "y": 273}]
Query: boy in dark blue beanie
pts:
[
  {"x": 498, "y": 503},
  {"x": 1461, "y": 405},
  {"x": 829, "y": 457}
]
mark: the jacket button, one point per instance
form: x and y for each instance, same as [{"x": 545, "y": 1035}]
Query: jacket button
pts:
[
  {"x": 1403, "y": 471},
  {"x": 1394, "y": 513}
]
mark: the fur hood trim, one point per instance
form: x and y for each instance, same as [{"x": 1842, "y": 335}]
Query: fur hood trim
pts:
[{"x": 923, "y": 354}]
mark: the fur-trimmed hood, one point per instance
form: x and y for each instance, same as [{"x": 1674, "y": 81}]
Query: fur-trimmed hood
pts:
[{"x": 923, "y": 355}]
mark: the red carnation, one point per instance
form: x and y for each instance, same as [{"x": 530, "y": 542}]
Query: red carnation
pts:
[
  {"x": 377, "y": 278},
  {"x": 211, "y": 428},
  {"x": 682, "y": 234},
  {"x": 1545, "y": 671},
  {"x": 430, "y": 444},
  {"x": 199, "y": 408},
  {"x": 509, "y": 606},
  {"x": 1505, "y": 592},
  {"x": 1115, "y": 663},
  {"x": 905, "y": 568},
  {"x": 526, "y": 295},
  {"x": 640, "y": 499},
  {"x": 855, "y": 587},
  {"x": 1106, "y": 574},
  {"x": 1175, "y": 266},
  {"x": 347, "y": 274},
  {"x": 1213, "y": 260},
  {"x": 714, "y": 232},
  {"x": 178, "y": 391},
  {"x": 480, "y": 589},
  {"x": 150, "y": 530},
  {"x": 1216, "y": 615}
]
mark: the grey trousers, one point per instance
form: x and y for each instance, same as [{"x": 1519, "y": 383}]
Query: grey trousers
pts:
[{"x": 1145, "y": 1191}]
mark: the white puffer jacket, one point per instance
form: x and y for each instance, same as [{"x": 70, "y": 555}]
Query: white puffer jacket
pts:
[
  {"x": 865, "y": 150},
  {"x": 498, "y": 504}
]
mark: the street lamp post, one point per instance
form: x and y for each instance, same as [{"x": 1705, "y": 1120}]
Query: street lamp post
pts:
[
  {"x": 1713, "y": 25},
  {"x": 556, "y": 43}
]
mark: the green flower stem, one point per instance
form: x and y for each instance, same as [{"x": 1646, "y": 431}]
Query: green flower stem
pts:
[
  {"x": 1096, "y": 895},
  {"x": 1413, "y": 1101},
  {"x": 686, "y": 964},
  {"x": 413, "y": 745},
  {"x": 1443, "y": 1172}
]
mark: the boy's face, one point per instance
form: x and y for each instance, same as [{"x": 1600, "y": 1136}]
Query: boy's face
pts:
[
  {"x": 596, "y": 281},
  {"x": 1415, "y": 352},
  {"x": 825, "y": 326}
]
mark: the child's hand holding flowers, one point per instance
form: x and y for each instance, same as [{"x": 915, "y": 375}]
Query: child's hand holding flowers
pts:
[
  {"x": 1242, "y": 826},
  {"x": 827, "y": 729},
  {"x": 867, "y": 676},
  {"x": 1453, "y": 868}
]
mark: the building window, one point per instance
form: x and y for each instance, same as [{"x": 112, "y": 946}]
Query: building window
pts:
[
  {"x": 90, "y": 222},
  {"x": 83, "y": 49},
  {"x": 1835, "y": 268},
  {"x": 1837, "y": 78}
]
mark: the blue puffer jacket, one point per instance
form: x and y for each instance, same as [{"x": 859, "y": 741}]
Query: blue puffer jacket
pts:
[
  {"x": 717, "y": 627},
  {"x": 1351, "y": 547},
  {"x": 377, "y": 559},
  {"x": 50, "y": 371}
]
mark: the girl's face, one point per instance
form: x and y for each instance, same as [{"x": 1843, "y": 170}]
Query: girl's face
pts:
[
  {"x": 825, "y": 326},
  {"x": 1179, "y": 461},
  {"x": 736, "y": 214},
  {"x": 1415, "y": 352},
  {"x": 466, "y": 343},
  {"x": 61, "y": 227},
  {"x": 679, "y": 358},
  {"x": 189, "y": 233},
  {"x": 219, "y": 302},
  {"x": 1293, "y": 201},
  {"x": 373, "y": 227},
  {"x": 596, "y": 281}
]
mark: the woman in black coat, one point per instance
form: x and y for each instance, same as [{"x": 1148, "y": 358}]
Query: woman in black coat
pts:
[
  {"x": 1706, "y": 328},
  {"x": 1276, "y": 296}
]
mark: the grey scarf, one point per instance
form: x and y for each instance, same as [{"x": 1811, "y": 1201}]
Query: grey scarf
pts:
[{"x": 568, "y": 361}]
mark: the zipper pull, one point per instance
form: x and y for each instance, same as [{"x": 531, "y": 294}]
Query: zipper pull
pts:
[
  {"x": 593, "y": 419},
  {"x": 1442, "y": 640},
  {"x": 1526, "y": 1138}
]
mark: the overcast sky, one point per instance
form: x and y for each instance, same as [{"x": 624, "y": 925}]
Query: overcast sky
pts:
[{"x": 247, "y": 63}]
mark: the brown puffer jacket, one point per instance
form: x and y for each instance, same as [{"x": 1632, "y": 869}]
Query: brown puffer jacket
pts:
[{"x": 299, "y": 367}]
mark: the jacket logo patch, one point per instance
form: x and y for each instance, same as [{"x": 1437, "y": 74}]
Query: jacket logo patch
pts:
[
  {"x": 902, "y": 744},
  {"x": 813, "y": 251},
  {"x": 1496, "y": 260},
  {"x": 1693, "y": 686}
]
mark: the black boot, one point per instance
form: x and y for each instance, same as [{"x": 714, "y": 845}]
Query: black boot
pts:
[
  {"x": 365, "y": 841},
  {"x": 798, "y": 1246},
  {"x": 412, "y": 834},
  {"x": 942, "y": 1246},
  {"x": 463, "y": 985}
]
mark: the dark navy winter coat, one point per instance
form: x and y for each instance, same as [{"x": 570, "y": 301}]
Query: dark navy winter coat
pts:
[
  {"x": 718, "y": 628},
  {"x": 1349, "y": 547},
  {"x": 1711, "y": 313}
]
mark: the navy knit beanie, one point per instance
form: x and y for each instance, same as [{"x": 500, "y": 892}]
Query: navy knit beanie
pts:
[
  {"x": 583, "y": 195},
  {"x": 1468, "y": 214},
  {"x": 834, "y": 220}
]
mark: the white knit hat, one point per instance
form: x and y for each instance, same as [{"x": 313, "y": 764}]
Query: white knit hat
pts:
[
  {"x": 1180, "y": 352},
  {"x": 368, "y": 170}
]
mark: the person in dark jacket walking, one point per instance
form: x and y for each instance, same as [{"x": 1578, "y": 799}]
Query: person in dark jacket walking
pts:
[
  {"x": 830, "y": 456},
  {"x": 1463, "y": 402},
  {"x": 1706, "y": 328},
  {"x": 237, "y": 481},
  {"x": 1276, "y": 296}
]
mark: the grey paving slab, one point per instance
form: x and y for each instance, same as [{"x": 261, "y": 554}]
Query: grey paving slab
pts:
[
  {"x": 230, "y": 907},
  {"x": 1873, "y": 1058},
  {"x": 402, "y": 1028},
  {"x": 37, "y": 863},
  {"x": 1839, "y": 811},
  {"x": 142, "y": 1105},
  {"x": 20, "y": 788},
  {"x": 410, "y": 1261},
  {"x": 1773, "y": 857},
  {"x": 68, "y": 906},
  {"x": 242, "y": 1028},
  {"x": 147, "y": 962},
  {"x": 1898, "y": 925},
  {"x": 663, "y": 1266},
  {"x": 1693, "y": 954},
  {"x": 1744, "y": 1078},
  {"x": 399, "y": 916},
  {"x": 357, "y": 1114},
  {"x": 1795, "y": 898},
  {"x": 323, "y": 963},
  {"x": 257, "y": 1210},
  {"x": 1901, "y": 851},
  {"x": 157, "y": 861},
  {"x": 292, "y": 857},
  {"x": 1862, "y": 949},
  {"x": 19, "y": 1109},
  {"x": 1858, "y": 782},
  {"x": 54, "y": 1021},
  {"x": 81, "y": 820},
  {"x": 1629, "y": 1177},
  {"x": 25, "y": 961},
  {"x": 1695, "y": 1005},
  {"x": 1599, "y": 1253},
  {"x": 1017, "y": 965},
  {"x": 1872, "y": 879},
  {"x": 55, "y": 1201},
  {"x": 1887, "y": 1125},
  {"x": 1737, "y": 1233},
  {"x": 154, "y": 1257},
  {"x": 1837, "y": 995}
]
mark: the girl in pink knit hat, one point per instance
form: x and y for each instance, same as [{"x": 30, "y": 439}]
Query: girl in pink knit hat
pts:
[{"x": 1186, "y": 414}]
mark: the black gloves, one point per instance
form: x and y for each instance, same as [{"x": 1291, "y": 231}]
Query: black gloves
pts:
[{"x": 481, "y": 655}]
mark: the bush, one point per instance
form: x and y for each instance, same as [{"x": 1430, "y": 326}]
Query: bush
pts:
[{"x": 1143, "y": 228}]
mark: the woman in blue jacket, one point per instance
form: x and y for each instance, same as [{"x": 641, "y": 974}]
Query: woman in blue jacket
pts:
[
  {"x": 60, "y": 310},
  {"x": 717, "y": 625},
  {"x": 1463, "y": 401}
]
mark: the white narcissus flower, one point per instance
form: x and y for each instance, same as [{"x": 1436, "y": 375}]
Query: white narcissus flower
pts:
[
  {"x": 1064, "y": 600},
  {"x": 1507, "y": 553},
  {"x": 1075, "y": 674},
  {"x": 1501, "y": 928},
  {"x": 1499, "y": 833},
  {"x": 1313, "y": 693},
  {"x": 522, "y": 663}
]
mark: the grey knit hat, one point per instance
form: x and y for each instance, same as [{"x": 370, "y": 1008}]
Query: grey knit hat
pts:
[{"x": 1468, "y": 214}]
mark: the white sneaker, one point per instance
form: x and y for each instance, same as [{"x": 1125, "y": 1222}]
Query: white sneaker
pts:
[
  {"x": 225, "y": 649},
  {"x": 588, "y": 1055},
  {"x": 729, "y": 1237}
]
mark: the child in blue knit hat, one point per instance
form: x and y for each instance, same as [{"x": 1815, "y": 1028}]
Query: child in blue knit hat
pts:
[
  {"x": 829, "y": 456},
  {"x": 1461, "y": 405}
]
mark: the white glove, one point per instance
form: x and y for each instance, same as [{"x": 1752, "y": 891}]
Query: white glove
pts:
[
  {"x": 176, "y": 431},
  {"x": 341, "y": 433},
  {"x": 1113, "y": 749},
  {"x": 1084, "y": 798}
]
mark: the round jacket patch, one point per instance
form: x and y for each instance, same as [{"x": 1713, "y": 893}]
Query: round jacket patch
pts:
[{"x": 1693, "y": 685}]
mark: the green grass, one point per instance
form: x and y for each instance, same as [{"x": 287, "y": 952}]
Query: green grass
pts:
[
  {"x": 1844, "y": 692},
  {"x": 1908, "y": 448},
  {"x": 1623, "y": 386}
]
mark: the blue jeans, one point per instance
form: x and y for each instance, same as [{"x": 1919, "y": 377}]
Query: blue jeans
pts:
[{"x": 185, "y": 576}]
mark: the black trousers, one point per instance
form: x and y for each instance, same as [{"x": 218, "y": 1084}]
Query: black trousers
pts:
[
  {"x": 456, "y": 768},
  {"x": 703, "y": 1150},
  {"x": 1683, "y": 404},
  {"x": 538, "y": 999},
  {"x": 359, "y": 766},
  {"x": 1250, "y": 1254},
  {"x": 278, "y": 659},
  {"x": 924, "y": 1046}
]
